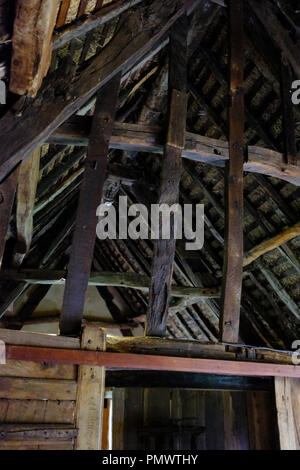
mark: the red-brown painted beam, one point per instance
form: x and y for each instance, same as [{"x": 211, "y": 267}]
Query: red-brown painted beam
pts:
[{"x": 149, "y": 362}]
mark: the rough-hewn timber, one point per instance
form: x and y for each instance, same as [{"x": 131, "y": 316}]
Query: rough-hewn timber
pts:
[
  {"x": 233, "y": 244},
  {"x": 144, "y": 138},
  {"x": 90, "y": 197}
]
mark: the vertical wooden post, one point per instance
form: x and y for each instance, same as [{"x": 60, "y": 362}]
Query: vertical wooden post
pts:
[
  {"x": 164, "y": 249},
  {"x": 288, "y": 117},
  {"x": 90, "y": 393},
  {"x": 86, "y": 220},
  {"x": 287, "y": 392},
  {"x": 233, "y": 250}
]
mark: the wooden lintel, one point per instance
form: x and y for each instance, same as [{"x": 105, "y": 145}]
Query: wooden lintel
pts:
[
  {"x": 90, "y": 197},
  {"x": 233, "y": 243},
  {"x": 154, "y": 346},
  {"x": 144, "y": 138},
  {"x": 150, "y": 362}
]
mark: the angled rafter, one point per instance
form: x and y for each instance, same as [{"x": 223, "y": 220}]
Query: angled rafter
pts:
[
  {"x": 26, "y": 193},
  {"x": 233, "y": 249},
  {"x": 164, "y": 249},
  {"x": 80, "y": 28},
  {"x": 272, "y": 243},
  {"x": 86, "y": 220},
  {"x": 50, "y": 109},
  {"x": 265, "y": 12},
  {"x": 7, "y": 197}
]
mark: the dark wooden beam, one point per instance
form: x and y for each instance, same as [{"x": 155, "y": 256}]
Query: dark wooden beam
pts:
[
  {"x": 104, "y": 278},
  {"x": 164, "y": 249},
  {"x": 233, "y": 249},
  {"x": 90, "y": 197},
  {"x": 288, "y": 116},
  {"x": 144, "y": 138},
  {"x": 149, "y": 379},
  {"x": 60, "y": 96}
]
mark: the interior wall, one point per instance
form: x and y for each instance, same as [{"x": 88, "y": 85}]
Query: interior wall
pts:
[
  {"x": 95, "y": 309},
  {"x": 173, "y": 419}
]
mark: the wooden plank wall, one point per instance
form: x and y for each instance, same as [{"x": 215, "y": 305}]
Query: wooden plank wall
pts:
[
  {"x": 36, "y": 398},
  {"x": 210, "y": 420},
  {"x": 44, "y": 406},
  {"x": 287, "y": 394}
]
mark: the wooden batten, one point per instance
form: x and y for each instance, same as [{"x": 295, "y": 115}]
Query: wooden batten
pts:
[{"x": 32, "y": 44}]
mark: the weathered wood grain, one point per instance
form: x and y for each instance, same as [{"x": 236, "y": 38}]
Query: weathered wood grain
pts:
[
  {"x": 90, "y": 398},
  {"x": 164, "y": 248},
  {"x": 103, "y": 278},
  {"x": 38, "y": 339},
  {"x": 32, "y": 40},
  {"x": 288, "y": 412},
  {"x": 60, "y": 98},
  {"x": 37, "y": 411},
  {"x": 144, "y": 138},
  {"x": 79, "y": 28},
  {"x": 39, "y": 389},
  {"x": 271, "y": 244},
  {"x": 233, "y": 243},
  {"x": 26, "y": 193},
  {"x": 118, "y": 418},
  {"x": 32, "y": 370},
  {"x": 86, "y": 219}
]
